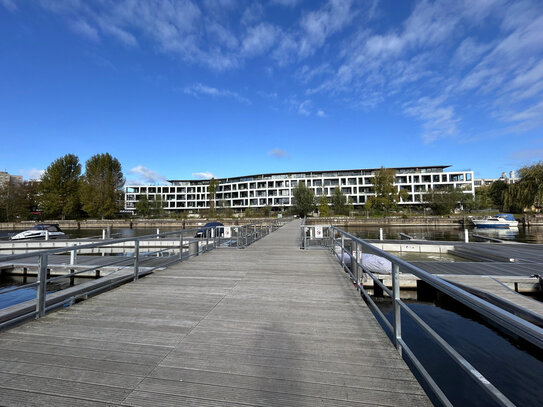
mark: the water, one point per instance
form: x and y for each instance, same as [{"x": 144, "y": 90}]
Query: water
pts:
[
  {"x": 532, "y": 234},
  {"x": 97, "y": 233},
  {"x": 27, "y": 293},
  {"x": 510, "y": 365}
]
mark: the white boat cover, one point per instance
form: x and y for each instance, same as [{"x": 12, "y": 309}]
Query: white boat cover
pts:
[{"x": 370, "y": 262}]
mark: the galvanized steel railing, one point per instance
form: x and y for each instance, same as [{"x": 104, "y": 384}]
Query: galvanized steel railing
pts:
[
  {"x": 188, "y": 246},
  {"x": 335, "y": 239}
]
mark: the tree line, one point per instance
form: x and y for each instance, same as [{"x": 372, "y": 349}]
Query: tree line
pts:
[
  {"x": 525, "y": 195},
  {"x": 63, "y": 192}
]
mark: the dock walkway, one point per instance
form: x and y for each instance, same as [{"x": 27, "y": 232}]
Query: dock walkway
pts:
[{"x": 269, "y": 325}]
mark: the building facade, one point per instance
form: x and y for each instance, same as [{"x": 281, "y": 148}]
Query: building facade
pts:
[
  {"x": 6, "y": 178},
  {"x": 483, "y": 182},
  {"x": 275, "y": 190}
]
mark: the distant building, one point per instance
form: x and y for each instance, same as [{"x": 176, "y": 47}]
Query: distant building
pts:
[
  {"x": 275, "y": 190},
  {"x": 6, "y": 178},
  {"x": 511, "y": 179}
]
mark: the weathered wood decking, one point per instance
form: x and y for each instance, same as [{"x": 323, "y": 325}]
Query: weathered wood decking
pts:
[{"x": 270, "y": 325}]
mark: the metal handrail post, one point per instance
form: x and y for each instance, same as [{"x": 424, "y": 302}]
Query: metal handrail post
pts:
[
  {"x": 207, "y": 242},
  {"x": 246, "y": 236},
  {"x": 73, "y": 257},
  {"x": 181, "y": 238},
  {"x": 354, "y": 261},
  {"x": 397, "y": 307},
  {"x": 343, "y": 251},
  {"x": 42, "y": 287},
  {"x": 359, "y": 269},
  {"x": 136, "y": 259}
]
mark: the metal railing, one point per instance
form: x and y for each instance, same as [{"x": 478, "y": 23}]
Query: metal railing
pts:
[
  {"x": 342, "y": 243},
  {"x": 145, "y": 250}
]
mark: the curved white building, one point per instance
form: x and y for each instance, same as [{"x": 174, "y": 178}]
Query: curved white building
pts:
[{"x": 275, "y": 190}]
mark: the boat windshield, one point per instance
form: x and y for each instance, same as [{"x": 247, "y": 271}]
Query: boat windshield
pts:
[{"x": 506, "y": 216}]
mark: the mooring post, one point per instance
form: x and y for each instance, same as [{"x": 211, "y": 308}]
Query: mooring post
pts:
[
  {"x": 397, "y": 309},
  {"x": 157, "y": 233},
  {"x": 46, "y": 235},
  {"x": 466, "y": 236},
  {"x": 103, "y": 234},
  {"x": 42, "y": 285},
  {"x": 381, "y": 234}
]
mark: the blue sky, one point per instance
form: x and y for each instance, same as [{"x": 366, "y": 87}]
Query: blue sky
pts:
[{"x": 188, "y": 89}]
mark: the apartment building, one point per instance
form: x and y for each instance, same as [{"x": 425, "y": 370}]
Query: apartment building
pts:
[{"x": 275, "y": 190}]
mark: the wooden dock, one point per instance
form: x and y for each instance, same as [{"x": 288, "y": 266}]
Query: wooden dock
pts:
[{"x": 269, "y": 325}]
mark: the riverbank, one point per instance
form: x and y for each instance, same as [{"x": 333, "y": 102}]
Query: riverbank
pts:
[{"x": 453, "y": 220}]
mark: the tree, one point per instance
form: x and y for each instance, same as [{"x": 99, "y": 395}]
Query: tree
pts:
[
  {"x": 497, "y": 193},
  {"x": 386, "y": 193},
  {"x": 482, "y": 198},
  {"x": 157, "y": 206},
  {"x": 213, "y": 184},
  {"x": 101, "y": 186},
  {"x": 442, "y": 202},
  {"x": 324, "y": 209},
  {"x": 304, "y": 200},
  {"x": 143, "y": 207},
  {"x": 339, "y": 202},
  {"x": 528, "y": 192},
  {"x": 59, "y": 187},
  {"x": 18, "y": 200}
]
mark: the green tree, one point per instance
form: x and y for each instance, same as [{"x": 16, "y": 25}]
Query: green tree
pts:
[
  {"x": 143, "y": 206},
  {"x": 339, "y": 202},
  {"x": 18, "y": 200},
  {"x": 157, "y": 206},
  {"x": 324, "y": 208},
  {"x": 528, "y": 192},
  {"x": 266, "y": 211},
  {"x": 482, "y": 198},
  {"x": 497, "y": 194},
  {"x": 304, "y": 200},
  {"x": 101, "y": 186},
  {"x": 59, "y": 187},
  {"x": 386, "y": 193},
  {"x": 442, "y": 202},
  {"x": 213, "y": 184}
]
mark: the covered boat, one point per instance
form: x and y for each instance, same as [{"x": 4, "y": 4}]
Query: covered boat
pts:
[
  {"x": 40, "y": 231},
  {"x": 500, "y": 221}
]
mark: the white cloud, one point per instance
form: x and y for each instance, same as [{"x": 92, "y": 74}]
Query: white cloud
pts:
[
  {"x": 199, "y": 89},
  {"x": 32, "y": 173},
  {"x": 9, "y": 4},
  {"x": 84, "y": 29},
  {"x": 318, "y": 25},
  {"x": 438, "y": 121},
  {"x": 146, "y": 176},
  {"x": 203, "y": 175},
  {"x": 278, "y": 153},
  {"x": 259, "y": 39},
  {"x": 321, "y": 113},
  {"x": 304, "y": 108}
]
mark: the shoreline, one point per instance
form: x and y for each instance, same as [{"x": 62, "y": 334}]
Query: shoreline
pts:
[{"x": 450, "y": 221}]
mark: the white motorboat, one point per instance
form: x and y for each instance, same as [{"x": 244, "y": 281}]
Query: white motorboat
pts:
[
  {"x": 40, "y": 231},
  {"x": 500, "y": 221}
]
